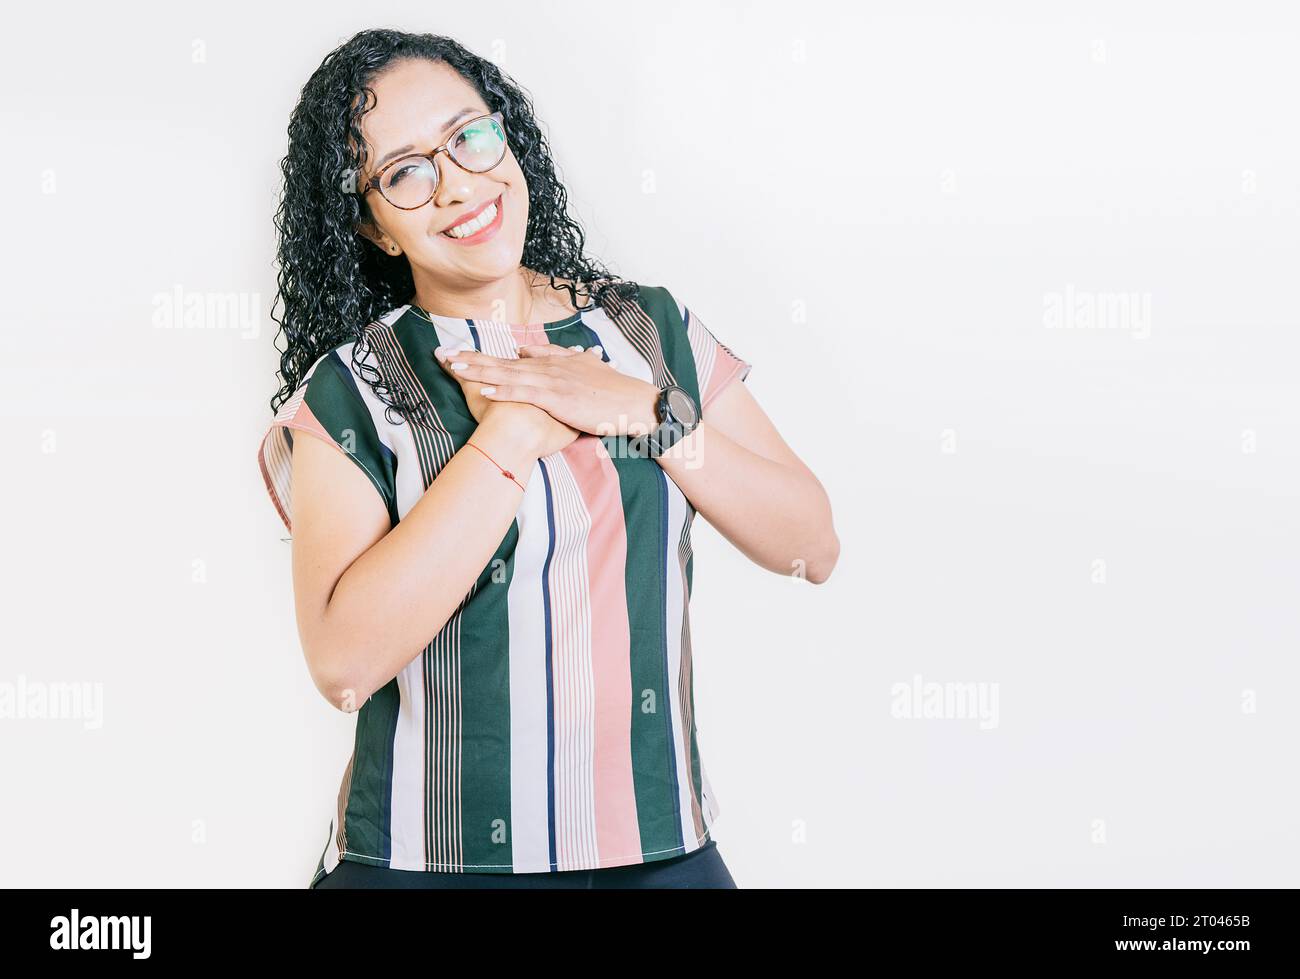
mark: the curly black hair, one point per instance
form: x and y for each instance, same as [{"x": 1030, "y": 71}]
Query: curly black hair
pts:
[{"x": 333, "y": 283}]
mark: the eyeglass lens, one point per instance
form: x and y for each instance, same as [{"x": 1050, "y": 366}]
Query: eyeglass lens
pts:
[{"x": 478, "y": 147}]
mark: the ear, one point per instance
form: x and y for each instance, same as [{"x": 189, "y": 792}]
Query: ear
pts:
[{"x": 377, "y": 238}]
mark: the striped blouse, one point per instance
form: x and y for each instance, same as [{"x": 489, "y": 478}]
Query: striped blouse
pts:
[{"x": 550, "y": 724}]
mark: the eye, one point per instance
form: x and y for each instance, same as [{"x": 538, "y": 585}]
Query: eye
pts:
[
  {"x": 406, "y": 169},
  {"x": 478, "y": 134},
  {"x": 400, "y": 171}
]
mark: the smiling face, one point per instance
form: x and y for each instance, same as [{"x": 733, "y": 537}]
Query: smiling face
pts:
[{"x": 419, "y": 105}]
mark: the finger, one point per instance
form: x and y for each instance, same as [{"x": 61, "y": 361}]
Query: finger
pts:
[
  {"x": 468, "y": 355},
  {"x": 517, "y": 392},
  {"x": 458, "y": 358},
  {"x": 451, "y": 352},
  {"x": 443, "y": 357},
  {"x": 516, "y": 371},
  {"x": 548, "y": 350},
  {"x": 455, "y": 363}
]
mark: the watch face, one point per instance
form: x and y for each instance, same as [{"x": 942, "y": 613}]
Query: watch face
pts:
[{"x": 682, "y": 406}]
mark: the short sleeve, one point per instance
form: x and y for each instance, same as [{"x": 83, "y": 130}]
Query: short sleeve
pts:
[
  {"x": 716, "y": 364},
  {"x": 328, "y": 406}
]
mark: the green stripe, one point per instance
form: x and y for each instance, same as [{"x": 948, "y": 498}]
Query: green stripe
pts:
[
  {"x": 367, "y": 817},
  {"x": 661, "y": 307},
  {"x": 333, "y": 398},
  {"x": 641, "y": 486},
  {"x": 485, "y": 765}
]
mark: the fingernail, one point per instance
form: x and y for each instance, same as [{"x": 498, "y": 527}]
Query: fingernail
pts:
[
  {"x": 596, "y": 350},
  {"x": 487, "y": 390},
  {"x": 458, "y": 366},
  {"x": 577, "y": 346},
  {"x": 439, "y": 351}
]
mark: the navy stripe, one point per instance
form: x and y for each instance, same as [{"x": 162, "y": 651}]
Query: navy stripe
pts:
[
  {"x": 593, "y": 340},
  {"x": 550, "y": 683}
]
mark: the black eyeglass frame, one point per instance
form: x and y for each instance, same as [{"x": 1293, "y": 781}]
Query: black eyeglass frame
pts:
[{"x": 348, "y": 183}]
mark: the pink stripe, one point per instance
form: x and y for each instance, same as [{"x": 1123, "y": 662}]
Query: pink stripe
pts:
[
  {"x": 725, "y": 368},
  {"x": 263, "y": 451},
  {"x": 275, "y": 457},
  {"x": 529, "y": 335},
  {"x": 618, "y": 833}
]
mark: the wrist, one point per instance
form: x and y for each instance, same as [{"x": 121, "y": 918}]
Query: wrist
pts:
[
  {"x": 644, "y": 416},
  {"x": 676, "y": 417},
  {"x": 513, "y": 433}
]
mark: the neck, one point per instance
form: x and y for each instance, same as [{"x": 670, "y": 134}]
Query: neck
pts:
[{"x": 509, "y": 299}]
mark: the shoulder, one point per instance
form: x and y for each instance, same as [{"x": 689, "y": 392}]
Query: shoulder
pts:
[
  {"x": 656, "y": 303},
  {"x": 345, "y": 367},
  {"x": 702, "y": 363},
  {"x": 332, "y": 378},
  {"x": 660, "y": 304},
  {"x": 334, "y": 404},
  {"x": 338, "y": 384}
]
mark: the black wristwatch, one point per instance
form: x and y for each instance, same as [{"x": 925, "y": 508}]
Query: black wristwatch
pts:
[{"x": 678, "y": 416}]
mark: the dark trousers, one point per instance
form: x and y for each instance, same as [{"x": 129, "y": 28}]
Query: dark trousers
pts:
[{"x": 699, "y": 868}]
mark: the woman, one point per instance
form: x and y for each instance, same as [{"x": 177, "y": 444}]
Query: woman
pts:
[{"x": 491, "y": 524}]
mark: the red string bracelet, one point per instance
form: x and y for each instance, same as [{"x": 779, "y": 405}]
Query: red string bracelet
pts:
[{"x": 504, "y": 472}]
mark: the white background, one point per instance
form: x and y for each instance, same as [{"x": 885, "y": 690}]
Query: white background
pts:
[{"x": 875, "y": 205}]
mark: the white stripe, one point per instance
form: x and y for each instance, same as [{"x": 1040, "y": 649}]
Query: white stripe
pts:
[
  {"x": 575, "y": 697},
  {"x": 399, "y": 439},
  {"x": 407, "y": 801},
  {"x": 332, "y": 851},
  {"x": 703, "y": 349},
  {"x": 625, "y": 356},
  {"x": 528, "y": 790},
  {"x": 496, "y": 340},
  {"x": 711, "y": 807}
]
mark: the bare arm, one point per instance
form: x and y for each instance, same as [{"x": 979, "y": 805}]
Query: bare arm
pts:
[
  {"x": 748, "y": 483},
  {"x": 368, "y": 599}
]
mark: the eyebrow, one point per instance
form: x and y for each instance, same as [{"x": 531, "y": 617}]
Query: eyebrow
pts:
[{"x": 411, "y": 149}]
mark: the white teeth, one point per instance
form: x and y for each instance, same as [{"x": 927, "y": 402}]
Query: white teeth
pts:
[{"x": 486, "y": 217}]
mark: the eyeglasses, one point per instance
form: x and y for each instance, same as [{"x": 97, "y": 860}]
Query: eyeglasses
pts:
[{"x": 411, "y": 181}]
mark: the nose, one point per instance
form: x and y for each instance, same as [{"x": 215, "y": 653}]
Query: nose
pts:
[{"x": 455, "y": 186}]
